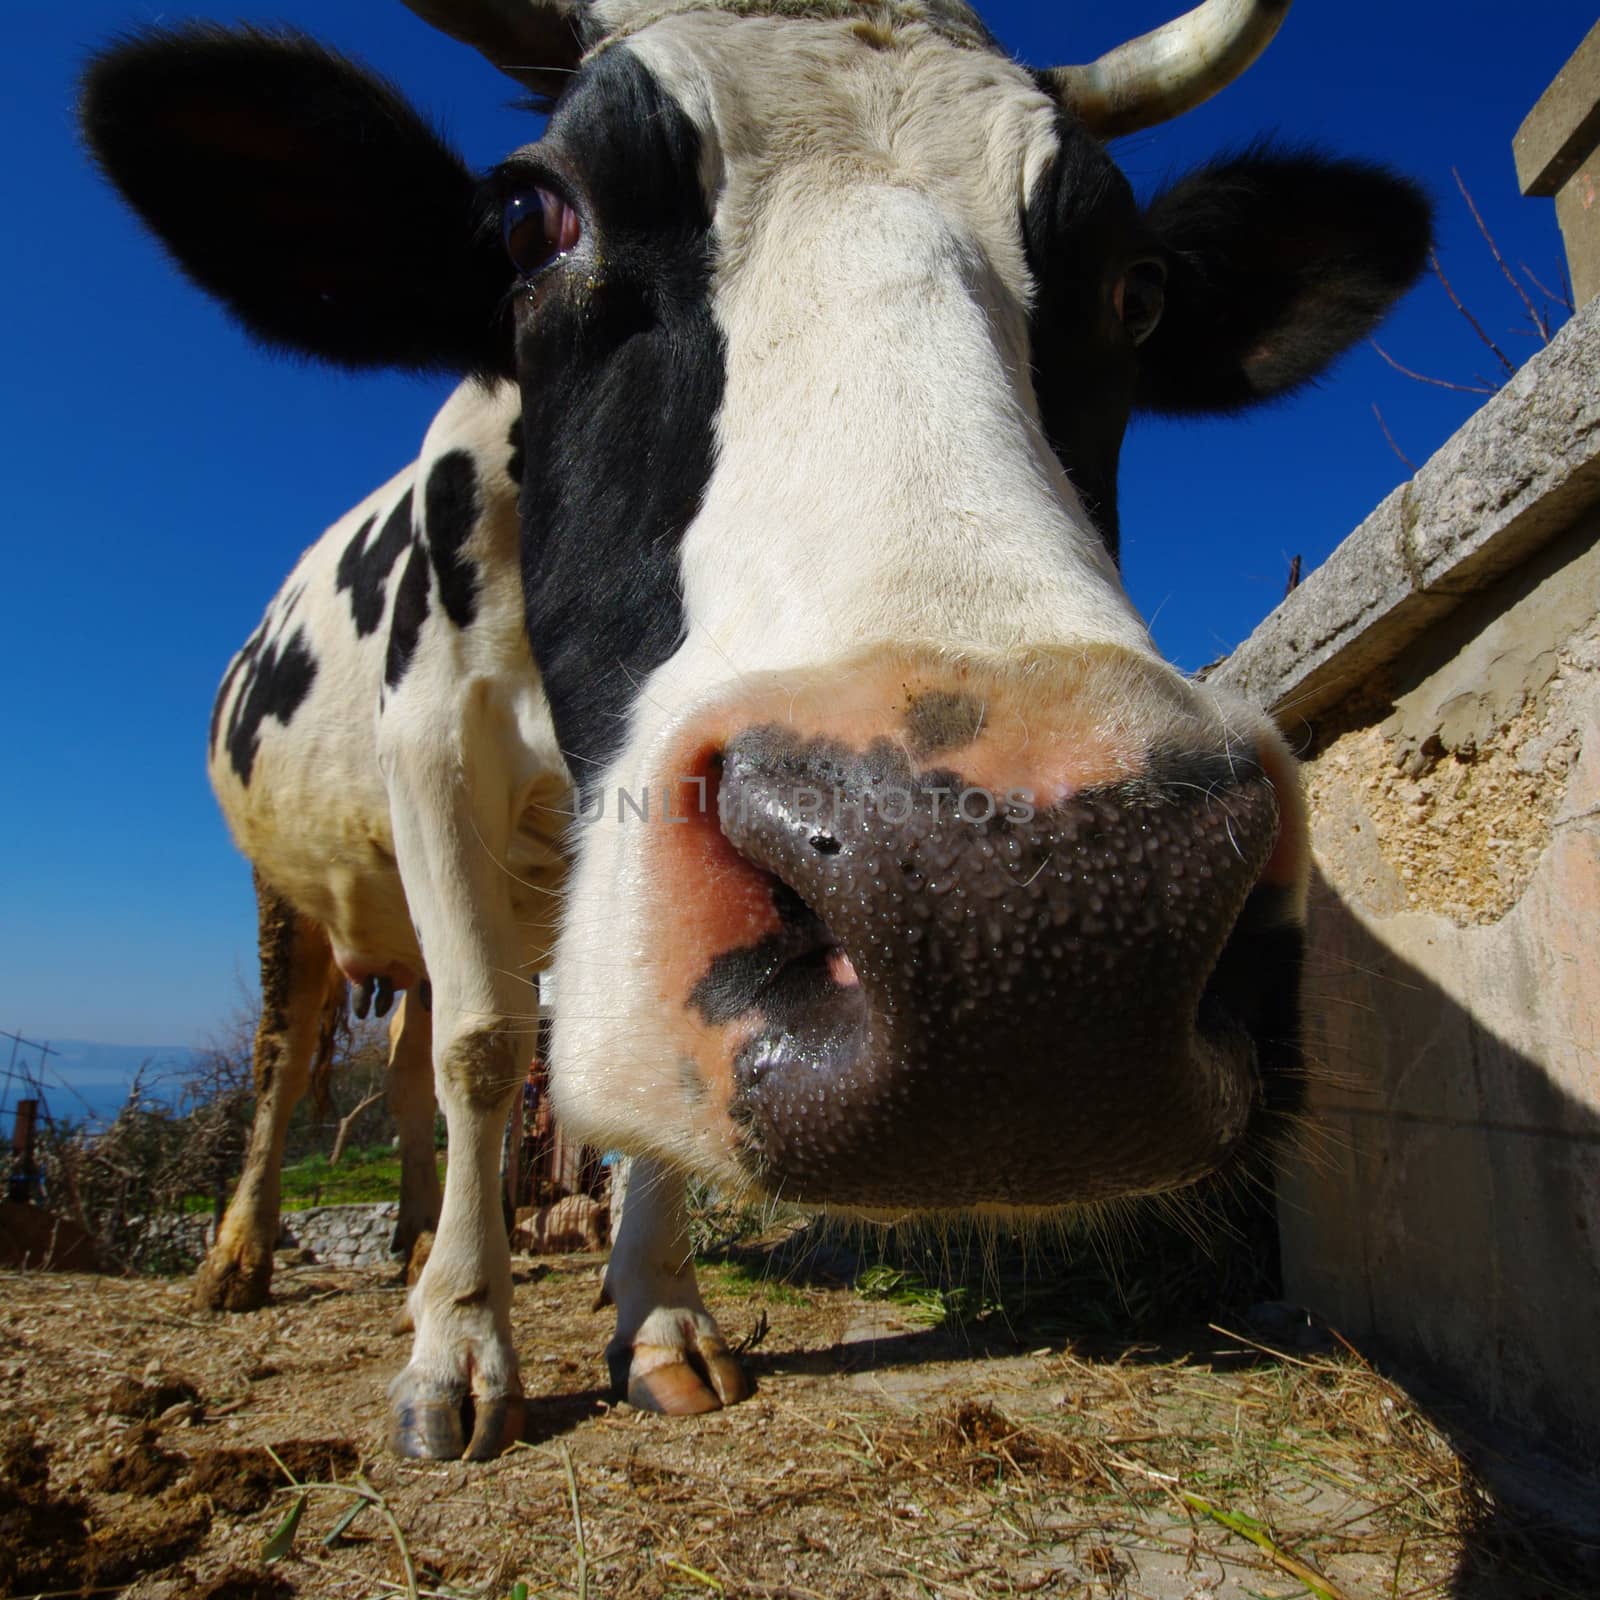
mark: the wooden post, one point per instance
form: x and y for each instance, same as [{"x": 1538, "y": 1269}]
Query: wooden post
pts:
[{"x": 24, "y": 1185}]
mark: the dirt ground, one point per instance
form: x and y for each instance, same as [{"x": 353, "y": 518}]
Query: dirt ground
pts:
[{"x": 150, "y": 1451}]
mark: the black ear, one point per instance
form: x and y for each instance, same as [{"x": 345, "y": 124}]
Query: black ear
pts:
[
  {"x": 1277, "y": 263},
  {"x": 303, "y": 193}
]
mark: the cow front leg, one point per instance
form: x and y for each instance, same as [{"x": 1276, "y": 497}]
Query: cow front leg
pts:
[
  {"x": 461, "y": 1394},
  {"x": 452, "y": 805},
  {"x": 412, "y": 1103},
  {"x": 667, "y": 1353},
  {"x": 301, "y": 988}
]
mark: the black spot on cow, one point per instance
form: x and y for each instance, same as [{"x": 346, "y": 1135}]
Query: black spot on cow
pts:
[
  {"x": 277, "y": 678},
  {"x": 245, "y": 656},
  {"x": 351, "y": 561},
  {"x": 690, "y": 1083},
  {"x": 940, "y": 720},
  {"x": 410, "y": 612},
  {"x": 450, "y": 513},
  {"x": 600, "y": 454},
  {"x": 1081, "y": 214},
  {"x": 516, "y": 461},
  {"x": 364, "y": 569}
]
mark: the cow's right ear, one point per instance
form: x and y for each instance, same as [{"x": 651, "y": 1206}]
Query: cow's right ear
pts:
[{"x": 305, "y": 194}]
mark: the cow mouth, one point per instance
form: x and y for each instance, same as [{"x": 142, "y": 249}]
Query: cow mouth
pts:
[
  {"x": 1026, "y": 1017},
  {"x": 818, "y": 969}
]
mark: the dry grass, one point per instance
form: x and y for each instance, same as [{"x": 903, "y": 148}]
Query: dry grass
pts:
[{"x": 880, "y": 1456}]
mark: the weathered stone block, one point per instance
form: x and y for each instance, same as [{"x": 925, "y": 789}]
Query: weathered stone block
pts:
[
  {"x": 1557, "y": 151},
  {"x": 1512, "y": 477}
]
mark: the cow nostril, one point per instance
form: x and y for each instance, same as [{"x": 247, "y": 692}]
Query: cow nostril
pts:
[{"x": 825, "y": 844}]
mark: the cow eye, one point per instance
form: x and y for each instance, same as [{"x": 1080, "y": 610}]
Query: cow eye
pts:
[
  {"x": 1138, "y": 298},
  {"x": 539, "y": 227}
]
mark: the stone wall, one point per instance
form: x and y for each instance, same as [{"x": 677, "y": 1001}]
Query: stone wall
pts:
[
  {"x": 336, "y": 1236},
  {"x": 1441, "y": 675},
  {"x": 342, "y": 1236}
]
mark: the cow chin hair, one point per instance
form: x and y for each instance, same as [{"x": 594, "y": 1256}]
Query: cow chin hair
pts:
[{"x": 979, "y": 1247}]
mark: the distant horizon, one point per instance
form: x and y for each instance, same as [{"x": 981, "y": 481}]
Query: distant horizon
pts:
[
  {"x": 84, "y": 1079},
  {"x": 31, "y": 1040}
]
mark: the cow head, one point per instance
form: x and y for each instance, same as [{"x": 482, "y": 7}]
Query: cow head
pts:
[{"x": 907, "y": 874}]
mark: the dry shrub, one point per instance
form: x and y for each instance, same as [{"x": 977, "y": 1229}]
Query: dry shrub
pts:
[
  {"x": 118, "y": 1183},
  {"x": 181, "y": 1138}
]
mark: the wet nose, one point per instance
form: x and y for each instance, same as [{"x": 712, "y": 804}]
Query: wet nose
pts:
[{"x": 982, "y": 978}]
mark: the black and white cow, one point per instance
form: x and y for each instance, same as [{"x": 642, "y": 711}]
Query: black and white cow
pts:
[
  {"x": 297, "y": 756},
  {"x": 823, "y": 321}
]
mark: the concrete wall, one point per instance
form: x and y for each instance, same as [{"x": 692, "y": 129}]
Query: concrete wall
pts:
[{"x": 1442, "y": 675}]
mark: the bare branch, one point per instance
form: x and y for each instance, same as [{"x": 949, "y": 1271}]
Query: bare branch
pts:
[
  {"x": 347, "y": 1122},
  {"x": 1409, "y": 464},
  {"x": 1539, "y": 320},
  {"x": 1554, "y": 296},
  {"x": 1476, "y": 326},
  {"x": 1422, "y": 377}
]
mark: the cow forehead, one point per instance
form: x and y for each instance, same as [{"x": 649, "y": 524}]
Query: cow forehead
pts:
[
  {"x": 612, "y": 20},
  {"x": 790, "y": 111}
]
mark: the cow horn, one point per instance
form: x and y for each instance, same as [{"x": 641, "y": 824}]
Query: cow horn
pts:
[
  {"x": 1169, "y": 70},
  {"x": 537, "y": 42}
]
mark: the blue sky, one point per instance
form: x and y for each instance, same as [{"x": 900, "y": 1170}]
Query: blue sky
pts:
[{"x": 162, "y": 475}]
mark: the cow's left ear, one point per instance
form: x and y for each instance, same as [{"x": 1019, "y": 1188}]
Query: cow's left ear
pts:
[
  {"x": 303, "y": 193},
  {"x": 1276, "y": 264}
]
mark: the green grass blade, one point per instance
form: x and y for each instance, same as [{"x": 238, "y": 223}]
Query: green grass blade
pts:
[
  {"x": 1248, "y": 1528},
  {"x": 277, "y": 1543},
  {"x": 336, "y": 1532}
]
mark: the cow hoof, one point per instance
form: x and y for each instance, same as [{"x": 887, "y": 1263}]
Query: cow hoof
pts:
[
  {"x": 682, "y": 1383},
  {"x": 447, "y": 1427},
  {"x": 223, "y": 1284}
]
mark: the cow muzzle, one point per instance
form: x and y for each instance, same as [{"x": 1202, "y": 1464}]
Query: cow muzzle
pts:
[{"x": 992, "y": 943}]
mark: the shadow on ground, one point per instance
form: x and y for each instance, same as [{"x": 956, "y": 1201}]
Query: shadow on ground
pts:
[{"x": 1200, "y": 1287}]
